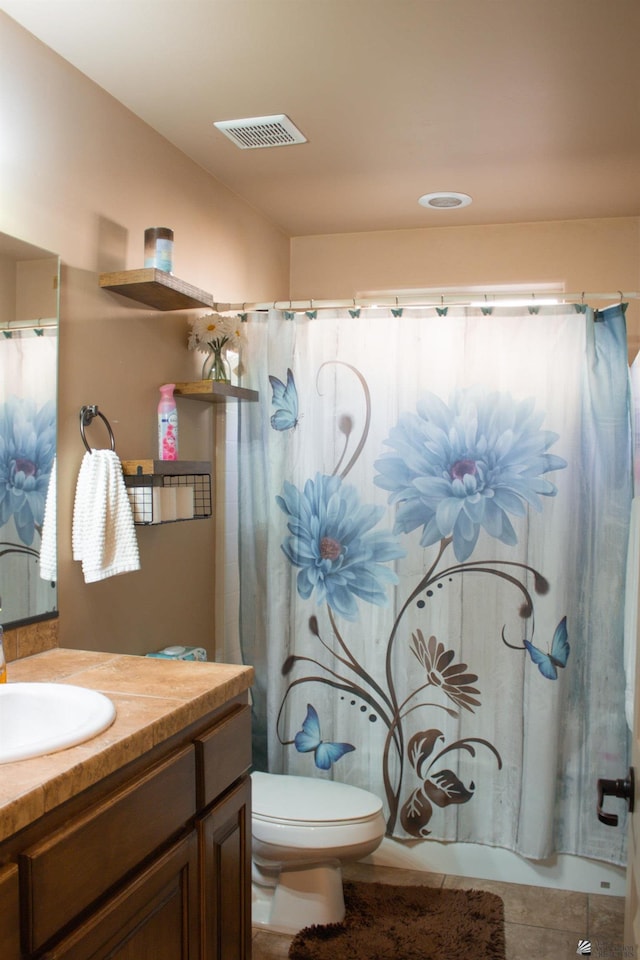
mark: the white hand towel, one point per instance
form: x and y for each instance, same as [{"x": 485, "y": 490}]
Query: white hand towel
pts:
[
  {"x": 48, "y": 551},
  {"x": 103, "y": 533}
]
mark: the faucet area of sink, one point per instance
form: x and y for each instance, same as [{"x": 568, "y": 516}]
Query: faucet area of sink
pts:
[{"x": 39, "y": 718}]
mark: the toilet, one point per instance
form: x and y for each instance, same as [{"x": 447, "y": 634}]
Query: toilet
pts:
[{"x": 301, "y": 831}]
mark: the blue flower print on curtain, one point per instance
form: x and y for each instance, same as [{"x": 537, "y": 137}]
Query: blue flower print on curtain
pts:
[
  {"x": 455, "y": 470},
  {"x": 464, "y": 467},
  {"x": 333, "y": 542},
  {"x": 27, "y": 450}
]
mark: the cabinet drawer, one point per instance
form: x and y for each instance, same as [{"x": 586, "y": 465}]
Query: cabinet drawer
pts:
[
  {"x": 154, "y": 917},
  {"x": 9, "y": 913},
  {"x": 223, "y": 754},
  {"x": 78, "y": 863}
]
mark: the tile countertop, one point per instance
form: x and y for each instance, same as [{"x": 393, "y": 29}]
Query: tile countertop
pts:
[{"x": 154, "y": 699}]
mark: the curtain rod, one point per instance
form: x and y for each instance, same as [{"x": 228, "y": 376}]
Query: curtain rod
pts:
[
  {"x": 433, "y": 300},
  {"x": 15, "y": 325}
]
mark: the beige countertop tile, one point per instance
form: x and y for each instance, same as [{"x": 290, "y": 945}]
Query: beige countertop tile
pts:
[{"x": 154, "y": 699}]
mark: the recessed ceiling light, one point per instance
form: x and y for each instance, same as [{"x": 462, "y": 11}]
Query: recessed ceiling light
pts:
[{"x": 444, "y": 200}]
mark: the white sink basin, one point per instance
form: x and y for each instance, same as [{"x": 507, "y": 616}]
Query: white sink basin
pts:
[{"x": 39, "y": 718}]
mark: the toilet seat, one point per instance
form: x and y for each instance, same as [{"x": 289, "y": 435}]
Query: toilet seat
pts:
[
  {"x": 302, "y": 801},
  {"x": 312, "y": 815}
]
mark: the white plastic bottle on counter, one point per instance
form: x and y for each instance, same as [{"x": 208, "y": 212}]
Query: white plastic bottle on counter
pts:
[{"x": 167, "y": 424}]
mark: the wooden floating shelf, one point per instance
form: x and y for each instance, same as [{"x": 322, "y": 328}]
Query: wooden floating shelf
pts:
[
  {"x": 167, "y": 468},
  {"x": 212, "y": 391},
  {"x": 156, "y": 288}
]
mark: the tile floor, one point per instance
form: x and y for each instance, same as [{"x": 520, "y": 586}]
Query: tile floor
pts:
[{"x": 539, "y": 922}]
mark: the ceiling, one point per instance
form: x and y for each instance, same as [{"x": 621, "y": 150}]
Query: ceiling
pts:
[
  {"x": 530, "y": 106},
  {"x": 16, "y": 249}
]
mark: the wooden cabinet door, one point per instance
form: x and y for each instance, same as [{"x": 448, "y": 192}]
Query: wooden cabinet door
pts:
[
  {"x": 9, "y": 913},
  {"x": 77, "y": 865},
  {"x": 155, "y": 917},
  {"x": 225, "y": 879}
]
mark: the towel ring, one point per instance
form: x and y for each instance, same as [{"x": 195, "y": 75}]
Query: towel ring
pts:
[{"x": 86, "y": 416}]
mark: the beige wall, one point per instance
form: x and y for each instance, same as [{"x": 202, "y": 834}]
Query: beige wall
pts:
[
  {"x": 591, "y": 255},
  {"x": 83, "y": 177}
]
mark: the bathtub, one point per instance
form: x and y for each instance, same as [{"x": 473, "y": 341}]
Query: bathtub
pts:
[{"x": 563, "y": 871}]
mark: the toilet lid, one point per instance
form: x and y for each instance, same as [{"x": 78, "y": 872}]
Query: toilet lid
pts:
[{"x": 305, "y": 800}]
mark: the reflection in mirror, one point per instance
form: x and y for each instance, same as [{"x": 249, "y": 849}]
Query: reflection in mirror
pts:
[{"x": 29, "y": 301}]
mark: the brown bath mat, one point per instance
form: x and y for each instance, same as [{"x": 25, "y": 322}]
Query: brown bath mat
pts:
[{"x": 393, "y": 922}]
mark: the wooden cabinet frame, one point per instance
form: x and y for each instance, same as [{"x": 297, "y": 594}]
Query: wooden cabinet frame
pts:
[{"x": 154, "y": 862}]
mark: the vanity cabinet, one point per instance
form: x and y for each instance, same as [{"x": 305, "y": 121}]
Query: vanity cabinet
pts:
[
  {"x": 155, "y": 865},
  {"x": 9, "y": 913},
  {"x": 224, "y": 835},
  {"x": 156, "y": 915},
  {"x": 224, "y": 838}
]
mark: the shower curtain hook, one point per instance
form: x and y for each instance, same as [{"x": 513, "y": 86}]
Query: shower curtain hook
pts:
[{"x": 621, "y": 297}]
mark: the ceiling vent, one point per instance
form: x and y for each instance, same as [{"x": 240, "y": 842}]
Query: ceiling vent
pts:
[{"x": 276, "y": 131}]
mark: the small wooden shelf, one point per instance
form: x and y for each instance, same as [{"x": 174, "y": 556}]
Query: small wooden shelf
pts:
[
  {"x": 212, "y": 391},
  {"x": 166, "y": 468},
  {"x": 156, "y": 288}
]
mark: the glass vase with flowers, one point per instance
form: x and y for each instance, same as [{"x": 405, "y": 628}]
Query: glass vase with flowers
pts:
[{"x": 214, "y": 335}]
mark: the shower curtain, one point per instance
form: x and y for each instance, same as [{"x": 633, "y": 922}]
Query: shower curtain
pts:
[
  {"x": 28, "y": 370},
  {"x": 434, "y": 510}
]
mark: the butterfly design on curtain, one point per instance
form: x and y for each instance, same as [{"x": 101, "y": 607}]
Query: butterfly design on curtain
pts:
[
  {"x": 325, "y": 753},
  {"x": 285, "y": 400},
  {"x": 548, "y": 663}
]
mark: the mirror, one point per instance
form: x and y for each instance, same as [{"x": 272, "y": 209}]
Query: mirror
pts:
[{"x": 29, "y": 305}]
